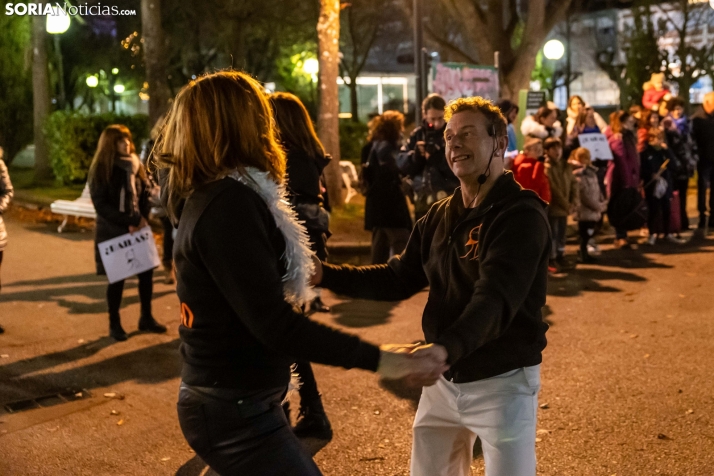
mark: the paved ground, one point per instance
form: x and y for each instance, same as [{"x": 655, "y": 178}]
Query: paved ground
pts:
[{"x": 626, "y": 378}]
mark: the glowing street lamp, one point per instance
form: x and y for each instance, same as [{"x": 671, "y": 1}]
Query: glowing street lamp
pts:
[
  {"x": 119, "y": 88},
  {"x": 92, "y": 81},
  {"x": 554, "y": 49},
  {"x": 56, "y": 25},
  {"x": 311, "y": 66}
]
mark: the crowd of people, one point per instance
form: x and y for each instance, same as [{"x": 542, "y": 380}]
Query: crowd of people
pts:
[{"x": 642, "y": 183}]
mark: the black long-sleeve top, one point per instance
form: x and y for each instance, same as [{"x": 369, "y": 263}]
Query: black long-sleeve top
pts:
[{"x": 237, "y": 331}]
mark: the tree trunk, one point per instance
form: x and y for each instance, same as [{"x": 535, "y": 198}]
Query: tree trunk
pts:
[
  {"x": 328, "y": 125},
  {"x": 40, "y": 96},
  {"x": 154, "y": 58},
  {"x": 354, "y": 105}
]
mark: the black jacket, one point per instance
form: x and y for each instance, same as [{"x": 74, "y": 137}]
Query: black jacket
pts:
[
  {"x": 119, "y": 204},
  {"x": 487, "y": 271},
  {"x": 385, "y": 204},
  {"x": 651, "y": 159},
  {"x": 429, "y": 177},
  {"x": 237, "y": 330},
  {"x": 703, "y": 135}
]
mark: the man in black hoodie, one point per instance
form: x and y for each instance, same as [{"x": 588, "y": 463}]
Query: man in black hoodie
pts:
[{"x": 483, "y": 252}]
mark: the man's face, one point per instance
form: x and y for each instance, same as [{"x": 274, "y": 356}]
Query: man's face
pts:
[
  {"x": 555, "y": 152},
  {"x": 435, "y": 117},
  {"x": 468, "y": 145}
]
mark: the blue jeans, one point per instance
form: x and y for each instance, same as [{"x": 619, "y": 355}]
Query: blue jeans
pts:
[
  {"x": 246, "y": 436},
  {"x": 705, "y": 172},
  {"x": 558, "y": 227}
]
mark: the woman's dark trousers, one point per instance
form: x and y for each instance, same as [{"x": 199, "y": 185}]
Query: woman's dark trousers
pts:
[{"x": 242, "y": 436}]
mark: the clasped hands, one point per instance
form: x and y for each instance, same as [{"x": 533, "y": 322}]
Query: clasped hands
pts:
[{"x": 417, "y": 365}]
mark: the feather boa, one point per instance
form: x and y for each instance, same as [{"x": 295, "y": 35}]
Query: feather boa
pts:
[{"x": 297, "y": 256}]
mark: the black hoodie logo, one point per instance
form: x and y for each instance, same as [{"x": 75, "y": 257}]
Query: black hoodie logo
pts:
[{"x": 472, "y": 244}]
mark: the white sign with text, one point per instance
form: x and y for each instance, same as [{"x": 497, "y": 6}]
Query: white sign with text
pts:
[
  {"x": 597, "y": 144},
  {"x": 130, "y": 254}
]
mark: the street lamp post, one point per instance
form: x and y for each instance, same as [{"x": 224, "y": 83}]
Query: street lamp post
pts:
[
  {"x": 418, "y": 59},
  {"x": 56, "y": 25}
]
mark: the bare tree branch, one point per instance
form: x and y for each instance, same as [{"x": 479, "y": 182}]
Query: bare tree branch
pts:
[{"x": 446, "y": 44}]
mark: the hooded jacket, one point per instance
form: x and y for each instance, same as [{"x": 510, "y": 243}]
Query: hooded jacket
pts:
[
  {"x": 486, "y": 268},
  {"x": 530, "y": 173},
  {"x": 626, "y": 161},
  {"x": 591, "y": 203},
  {"x": 563, "y": 187}
]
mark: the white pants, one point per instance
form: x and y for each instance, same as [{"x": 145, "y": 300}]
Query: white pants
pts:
[{"x": 500, "y": 410}]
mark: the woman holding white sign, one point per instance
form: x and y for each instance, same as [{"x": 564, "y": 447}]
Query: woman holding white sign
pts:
[{"x": 120, "y": 194}]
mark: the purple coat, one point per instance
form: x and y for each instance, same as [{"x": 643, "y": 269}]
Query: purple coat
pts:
[{"x": 626, "y": 163}]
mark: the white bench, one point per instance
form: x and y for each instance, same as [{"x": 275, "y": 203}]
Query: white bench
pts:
[
  {"x": 349, "y": 178},
  {"x": 82, "y": 207}
]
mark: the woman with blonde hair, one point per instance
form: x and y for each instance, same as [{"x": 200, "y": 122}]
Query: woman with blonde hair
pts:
[
  {"x": 243, "y": 269},
  {"x": 120, "y": 194}
]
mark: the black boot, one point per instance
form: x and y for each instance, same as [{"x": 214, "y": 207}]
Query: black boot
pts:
[
  {"x": 1, "y": 330},
  {"x": 149, "y": 324},
  {"x": 116, "y": 331},
  {"x": 318, "y": 306},
  {"x": 313, "y": 422}
]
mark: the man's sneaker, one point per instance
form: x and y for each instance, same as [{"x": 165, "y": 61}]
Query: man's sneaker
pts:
[
  {"x": 593, "y": 248},
  {"x": 149, "y": 324},
  {"x": 313, "y": 423},
  {"x": 652, "y": 239}
]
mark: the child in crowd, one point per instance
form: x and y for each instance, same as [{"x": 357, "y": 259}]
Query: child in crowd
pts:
[
  {"x": 592, "y": 202},
  {"x": 564, "y": 195},
  {"x": 529, "y": 169}
]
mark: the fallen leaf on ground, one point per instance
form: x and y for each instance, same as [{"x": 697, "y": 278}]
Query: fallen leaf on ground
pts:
[
  {"x": 544, "y": 406},
  {"x": 633, "y": 336},
  {"x": 542, "y": 432},
  {"x": 690, "y": 411},
  {"x": 114, "y": 412},
  {"x": 4, "y": 356},
  {"x": 647, "y": 356},
  {"x": 662, "y": 436},
  {"x": 120, "y": 422},
  {"x": 377, "y": 412},
  {"x": 80, "y": 341},
  {"x": 538, "y": 440},
  {"x": 110, "y": 394},
  {"x": 165, "y": 459}
]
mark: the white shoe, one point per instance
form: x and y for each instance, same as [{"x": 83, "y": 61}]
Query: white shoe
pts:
[
  {"x": 652, "y": 239},
  {"x": 673, "y": 239},
  {"x": 594, "y": 250}
]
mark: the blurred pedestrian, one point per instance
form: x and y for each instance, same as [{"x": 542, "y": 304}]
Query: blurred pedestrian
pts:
[
  {"x": 243, "y": 268},
  {"x": 386, "y": 213},
  {"x": 6, "y": 193},
  {"x": 703, "y": 135},
  {"x": 563, "y": 198},
  {"x": 156, "y": 209},
  {"x": 679, "y": 141},
  {"x": 306, "y": 159},
  {"x": 648, "y": 120},
  {"x": 543, "y": 124},
  {"x": 657, "y": 164},
  {"x": 585, "y": 123},
  {"x": 510, "y": 111},
  {"x": 591, "y": 203},
  {"x": 119, "y": 187},
  {"x": 529, "y": 169},
  {"x": 575, "y": 106},
  {"x": 423, "y": 161},
  {"x": 626, "y": 163}
]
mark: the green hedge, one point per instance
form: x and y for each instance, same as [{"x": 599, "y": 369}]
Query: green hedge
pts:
[
  {"x": 353, "y": 136},
  {"x": 72, "y": 139}
]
